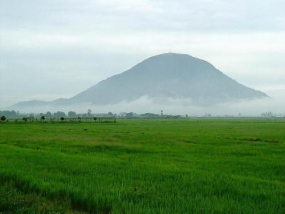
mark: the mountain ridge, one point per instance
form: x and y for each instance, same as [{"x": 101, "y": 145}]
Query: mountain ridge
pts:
[{"x": 168, "y": 75}]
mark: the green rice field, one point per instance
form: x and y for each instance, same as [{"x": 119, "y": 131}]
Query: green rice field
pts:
[{"x": 193, "y": 165}]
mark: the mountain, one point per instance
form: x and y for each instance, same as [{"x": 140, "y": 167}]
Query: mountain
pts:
[
  {"x": 34, "y": 103},
  {"x": 167, "y": 76}
]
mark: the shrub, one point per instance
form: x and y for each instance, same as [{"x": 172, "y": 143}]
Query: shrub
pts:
[{"x": 3, "y": 118}]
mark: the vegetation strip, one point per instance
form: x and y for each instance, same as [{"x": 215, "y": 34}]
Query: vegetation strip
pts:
[{"x": 144, "y": 166}]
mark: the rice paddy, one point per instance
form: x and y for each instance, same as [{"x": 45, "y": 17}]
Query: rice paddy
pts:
[{"x": 193, "y": 165}]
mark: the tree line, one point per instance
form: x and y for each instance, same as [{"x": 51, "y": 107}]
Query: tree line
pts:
[
  {"x": 9, "y": 113},
  {"x": 14, "y": 114}
]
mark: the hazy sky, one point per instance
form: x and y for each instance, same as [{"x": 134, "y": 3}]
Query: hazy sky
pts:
[{"x": 55, "y": 48}]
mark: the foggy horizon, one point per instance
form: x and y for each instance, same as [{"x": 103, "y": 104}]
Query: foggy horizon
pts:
[
  {"x": 58, "y": 49},
  {"x": 253, "y": 108}
]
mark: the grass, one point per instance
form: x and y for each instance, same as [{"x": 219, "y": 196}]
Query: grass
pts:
[{"x": 144, "y": 166}]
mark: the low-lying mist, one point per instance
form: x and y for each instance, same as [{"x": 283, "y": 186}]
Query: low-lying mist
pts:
[{"x": 174, "y": 107}]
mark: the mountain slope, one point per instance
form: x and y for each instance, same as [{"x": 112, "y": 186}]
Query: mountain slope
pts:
[{"x": 168, "y": 76}]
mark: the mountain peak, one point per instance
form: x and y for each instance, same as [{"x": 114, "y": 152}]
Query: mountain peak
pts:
[{"x": 167, "y": 76}]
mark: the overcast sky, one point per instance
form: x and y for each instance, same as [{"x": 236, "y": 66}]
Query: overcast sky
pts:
[{"x": 56, "y": 48}]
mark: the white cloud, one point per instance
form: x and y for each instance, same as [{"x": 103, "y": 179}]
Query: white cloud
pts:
[{"x": 144, "y": 6}]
